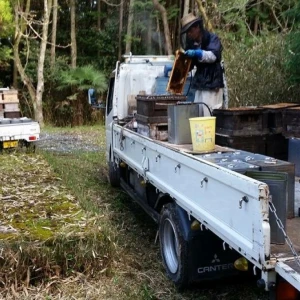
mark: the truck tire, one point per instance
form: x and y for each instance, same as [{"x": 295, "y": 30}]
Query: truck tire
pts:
[
  {"x": 113, "y": 174},
  {"x": 173, "y": 247}
]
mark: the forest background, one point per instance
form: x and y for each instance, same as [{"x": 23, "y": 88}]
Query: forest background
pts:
[{"x": 53, "y": 51}]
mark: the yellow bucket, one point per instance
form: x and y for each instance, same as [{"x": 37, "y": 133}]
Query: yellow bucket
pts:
[{"x": 203, "y": 131}]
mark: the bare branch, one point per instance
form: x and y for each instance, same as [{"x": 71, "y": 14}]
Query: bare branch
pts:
[{"x": 111, "y": 4}]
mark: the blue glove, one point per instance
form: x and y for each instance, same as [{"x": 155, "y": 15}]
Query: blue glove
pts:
[{"x": 198, "y": 53}]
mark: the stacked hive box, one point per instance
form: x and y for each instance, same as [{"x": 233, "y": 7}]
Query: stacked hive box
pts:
[
  {"x": 152, "y": 114},
  {"x": 261, "y": 129},
  {"x": 277, "y": 143},
  {"x": 9, "y": 104},
  {"x": 243, "y": 128},
  {"x": 291, "y": 119}
]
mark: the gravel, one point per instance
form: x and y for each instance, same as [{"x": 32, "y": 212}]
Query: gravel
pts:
[{"x": 66, "y": 143}]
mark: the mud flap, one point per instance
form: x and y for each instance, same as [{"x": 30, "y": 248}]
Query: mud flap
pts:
[{"x": 209, "y": 258}]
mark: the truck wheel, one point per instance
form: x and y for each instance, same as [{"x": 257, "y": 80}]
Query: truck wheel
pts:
[
  {"x": 113, "y": 174},
  {"x": 173, "y": 246}
]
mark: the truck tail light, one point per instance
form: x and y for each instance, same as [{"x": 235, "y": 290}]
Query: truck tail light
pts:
[{"x": 32, "y": 138}]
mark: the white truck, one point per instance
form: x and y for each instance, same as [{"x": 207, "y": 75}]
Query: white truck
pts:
[
  {"x": 15, "y": 130},
  {"x": 212, "y": 221}
]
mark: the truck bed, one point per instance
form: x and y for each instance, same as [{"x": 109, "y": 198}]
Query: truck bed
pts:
[
  {"x": 292, "y": 225},
  {"x": 293, "y": 232}
]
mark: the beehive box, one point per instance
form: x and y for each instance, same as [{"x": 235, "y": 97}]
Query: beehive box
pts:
[
  {"x": 156, "y": 131},
  {"x": 9, "y": 96},
  {"x": 12, "y": 114},
  {"x": 156, "y": 105},
  {"x": 275, "y": 115},
  {"x": 277, "y": 146},
  {"x": 255, "y": 144},
  {"x": 291, "y": 121},
  {"x": 241, "y": 121},
  {"x": 10, "y": 107}
]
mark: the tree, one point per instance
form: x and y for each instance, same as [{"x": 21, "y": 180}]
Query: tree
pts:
[
  {"x": 54, "y": 30},
  {"x": 38, "y": 105},
  {"x": 129, "y": 28},
  {"x": 24, "y": 19},
  {"x": 164, "y": 16},
  {"x": 120, "y": 29},
  {"x": 73, "y": 34}
]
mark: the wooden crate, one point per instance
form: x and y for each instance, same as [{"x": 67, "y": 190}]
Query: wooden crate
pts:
[
  {"x": 7, "y": 96},
  {"x": 241, "y": 121},
  {"x": 275, "y": 115},
  {"x": 158, "y": 131},
  {"x": 10, "y": 107},
  {"x": 291, "y": 121}
]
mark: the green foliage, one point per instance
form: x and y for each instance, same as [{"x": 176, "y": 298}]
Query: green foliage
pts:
[
  {"x": 5, "y": 56},
  {"x": 256, "y": 74},
  {"x": 6, "y": 18},
  {"x": 293, "y": 57},
  {"x": 293, "y": 47},
  {"x": 83, "y": 78}
]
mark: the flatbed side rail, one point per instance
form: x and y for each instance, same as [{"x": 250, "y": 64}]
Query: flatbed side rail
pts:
[{"x": 233, "y": 206}]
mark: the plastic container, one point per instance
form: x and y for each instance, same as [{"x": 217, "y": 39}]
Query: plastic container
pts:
[{"x": 203, "y": 131}]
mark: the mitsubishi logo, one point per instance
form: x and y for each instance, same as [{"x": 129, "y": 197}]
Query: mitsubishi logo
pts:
[{"x": 215, "y": 260}]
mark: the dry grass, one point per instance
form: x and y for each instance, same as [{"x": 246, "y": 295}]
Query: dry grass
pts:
[{"x": 82, "y": 239}]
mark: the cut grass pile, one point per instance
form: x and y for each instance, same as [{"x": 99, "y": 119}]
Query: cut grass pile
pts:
[{"x": 44, "y": 233}]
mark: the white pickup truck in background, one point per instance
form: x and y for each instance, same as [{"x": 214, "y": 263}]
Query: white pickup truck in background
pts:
[{"x": 15, "y": 130}]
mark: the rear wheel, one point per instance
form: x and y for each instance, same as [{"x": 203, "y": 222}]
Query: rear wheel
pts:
[
  {"x": 113, "y": 174},
  {"x": 173, "y": 246}
]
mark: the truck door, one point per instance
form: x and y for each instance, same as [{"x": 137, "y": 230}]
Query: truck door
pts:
[{"x": 109, "y": 114}]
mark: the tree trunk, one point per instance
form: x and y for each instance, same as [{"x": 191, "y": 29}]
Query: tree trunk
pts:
[
  {"x": 120, "y": 29},
  {"x": 99, "y": 14},
  {"x": 204, "y": 16},
  {"x": 129, "y": 28},
  {"x": 186, "y": 7},
  {"x": 19, "y": 29},
  {"x": 40, "y": 73},
  {"x": 159, "y": 36},
  {"x": 73, "y": 34},
  {"x": 53, "y": 37},
  {"x": 149, "y": 36},
  {"x": 164, "y": 16}
]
